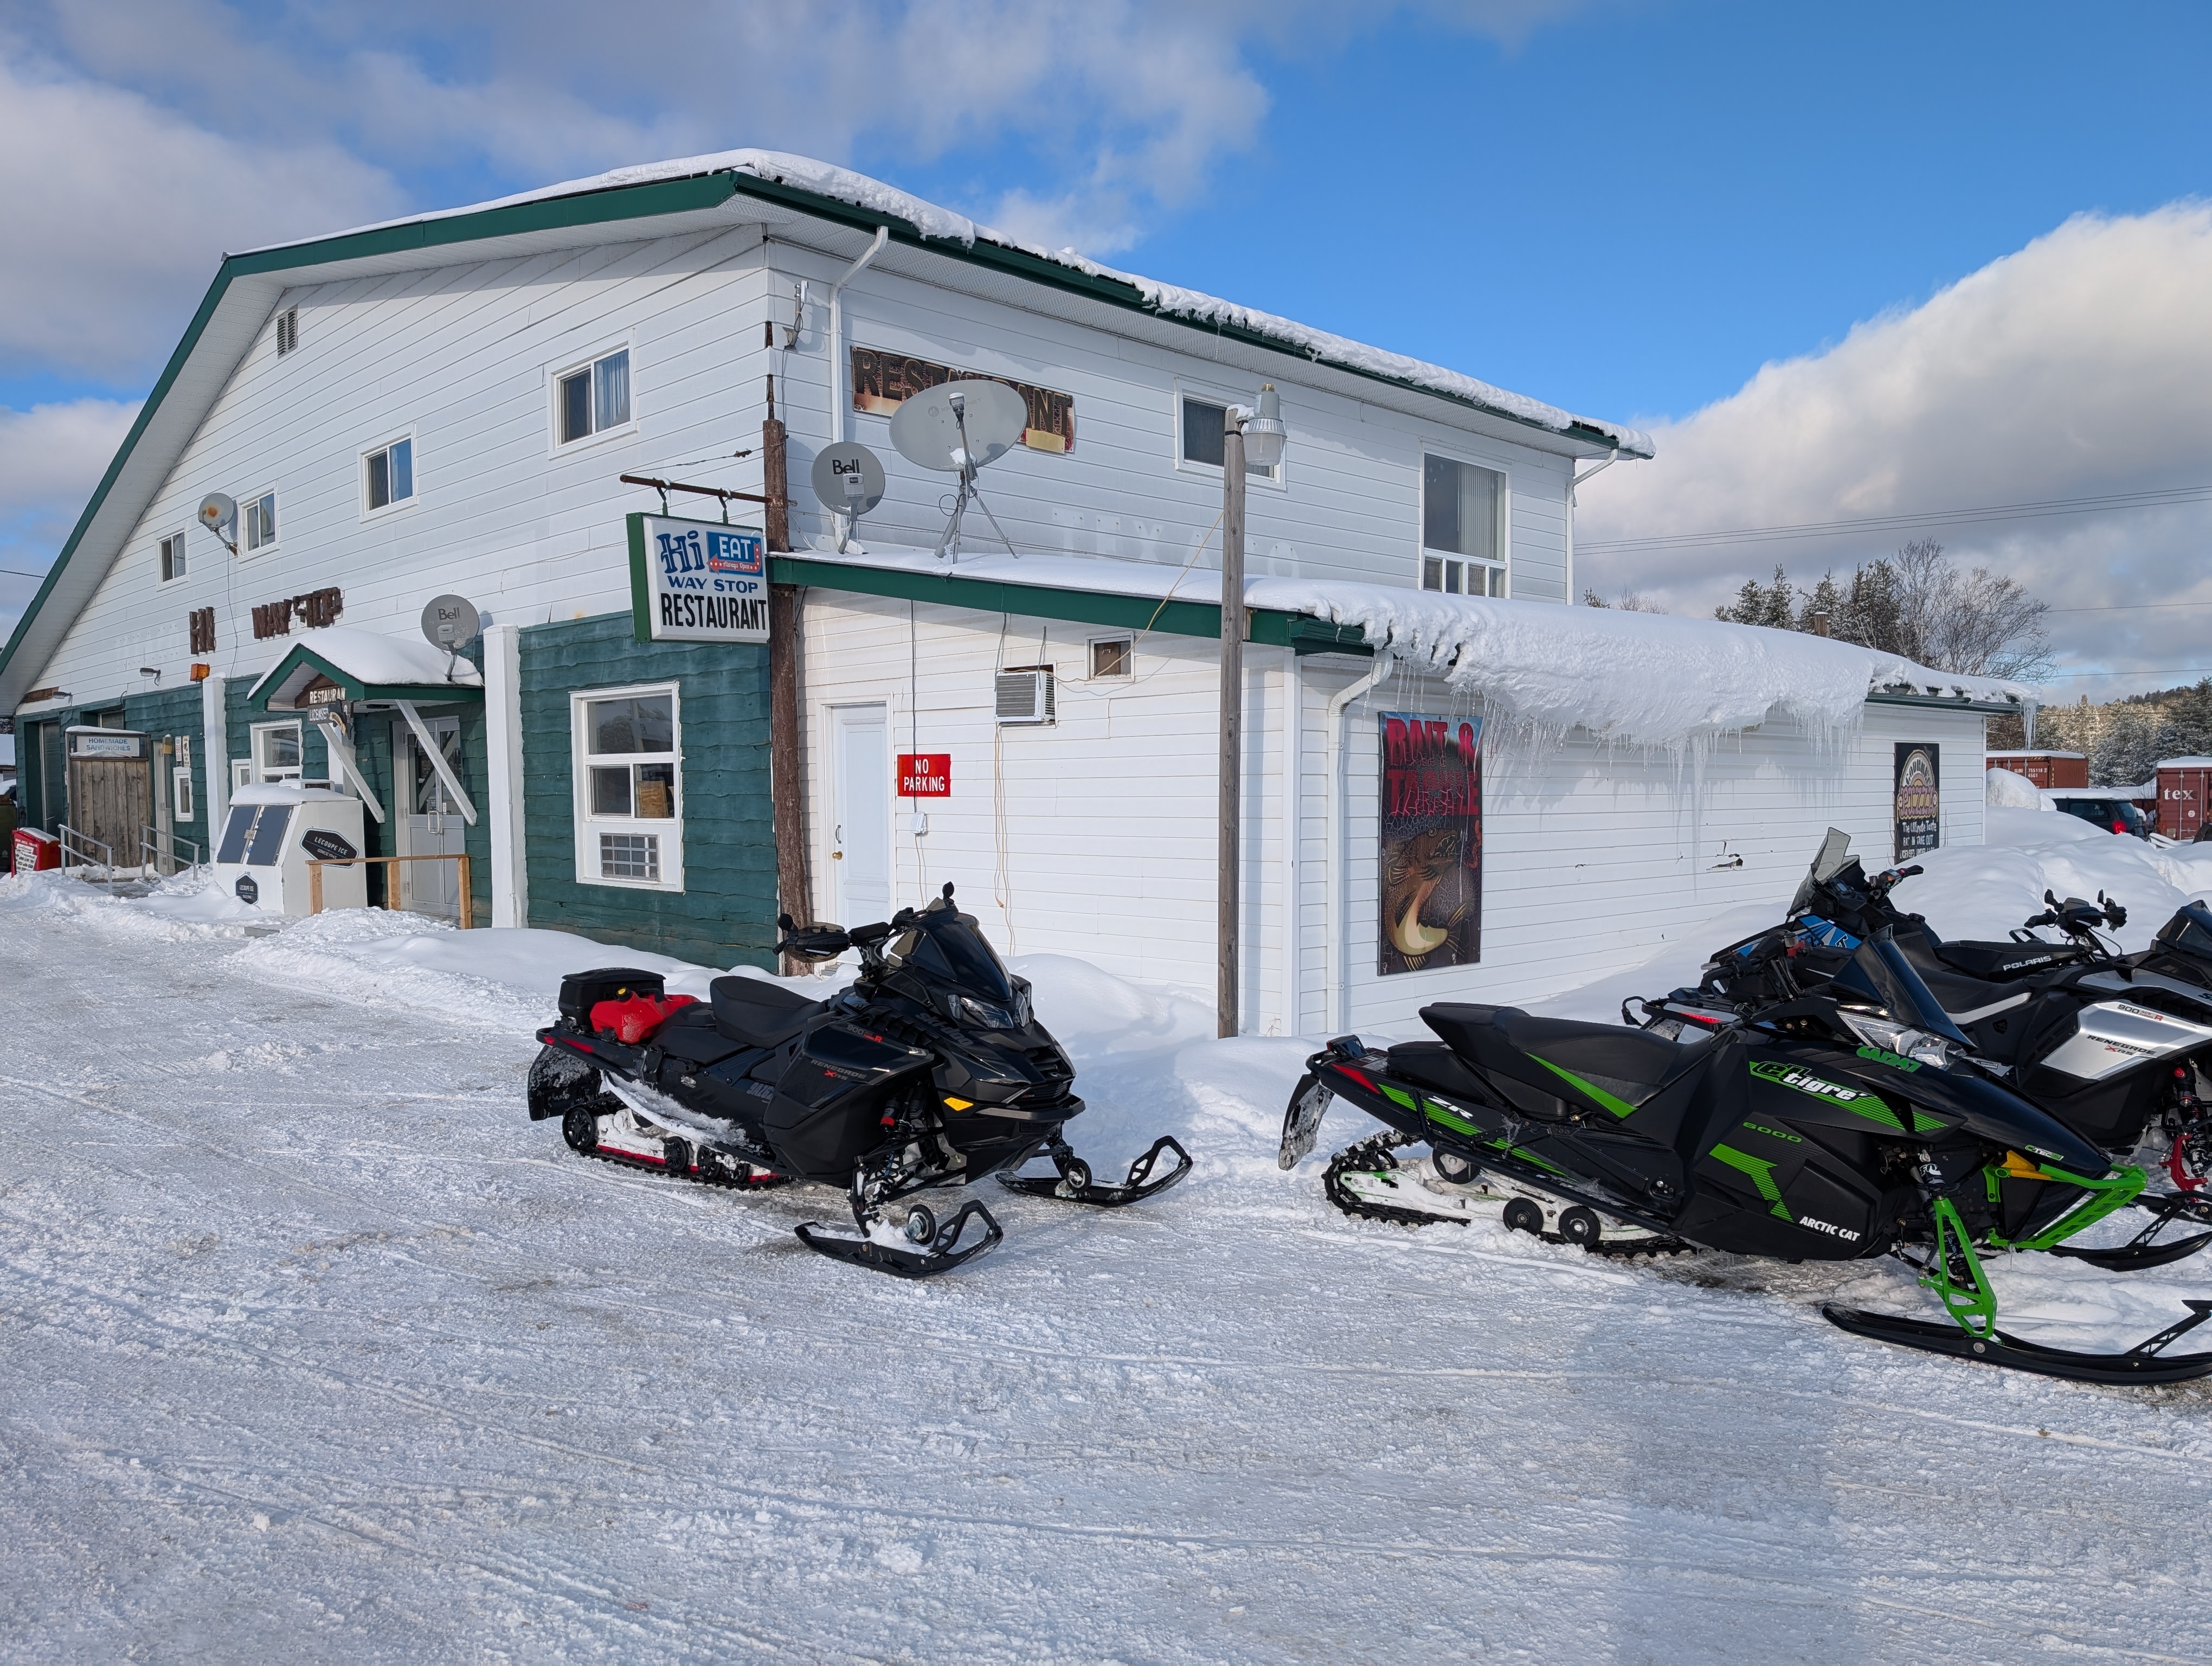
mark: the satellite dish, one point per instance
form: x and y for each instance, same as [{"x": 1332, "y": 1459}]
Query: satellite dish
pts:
[
  {"x": 956, "y": 428},
  {"x": 848, "y": 478},
  {"x": 219, "y": 514},
  {"x": 450, "y": 622},
  {"x": 984, "y": 420}
]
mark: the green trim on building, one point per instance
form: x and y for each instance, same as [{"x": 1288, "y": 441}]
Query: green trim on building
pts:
[
  {"x": 305, "y": 656},
  {"x": 726, "y": 913}
]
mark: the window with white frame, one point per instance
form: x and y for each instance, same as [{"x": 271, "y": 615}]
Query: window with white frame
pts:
[
  {"x": 592, "y": 398},
  {"x": 277, "y": 751},
  {"x": 387, "y": 475},
  {"x": 1463, "y": 533},
  {"x": 259, "y": 514},
  {"x": 1203, "y": 425},
  {"x": 172, "y": 557},
  {"x": 1110, "y": 656},
  {"x": 629, "y": 809},
  {"x": 180, "y": 781}
]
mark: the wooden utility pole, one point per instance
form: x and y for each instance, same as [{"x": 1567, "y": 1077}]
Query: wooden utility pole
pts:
[
  {"x": 1227, "y": 889},
  {"x": 786, "y": 760}
]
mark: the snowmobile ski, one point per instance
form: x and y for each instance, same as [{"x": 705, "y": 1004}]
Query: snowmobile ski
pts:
[
  {"x": 934, "y": 1247},
  {"x": 2144, "y": 1363},
  {"x": 1074, "y": 1183},
  {"x": 2139, "y": 1252}
]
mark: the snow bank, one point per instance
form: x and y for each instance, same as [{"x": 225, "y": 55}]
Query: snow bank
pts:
[
  {"x": 2004, "y": 790},
  {"x": 1170, "y": 300}
]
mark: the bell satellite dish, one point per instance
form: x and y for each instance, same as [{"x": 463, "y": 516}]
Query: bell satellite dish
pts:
[
  {"x": 219, "y": 514},
  {"x": 450, "y": 622},
  {"x": 848, "y": 478},
  {"x": 959, "y": 428}
]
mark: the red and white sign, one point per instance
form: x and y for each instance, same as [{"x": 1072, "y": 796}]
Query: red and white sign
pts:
[
  {"x": 34, "y": 850},
  {"x": 925, "y": 774}
]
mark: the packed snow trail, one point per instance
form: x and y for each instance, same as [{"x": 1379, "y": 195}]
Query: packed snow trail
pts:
[{"x": 317, "y": 1348}]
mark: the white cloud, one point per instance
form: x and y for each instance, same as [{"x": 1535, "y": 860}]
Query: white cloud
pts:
[
  {"x": 2079, "y": 366},
  {"x": 119, "y": 211},
  {"x": 51, "y": 457}
]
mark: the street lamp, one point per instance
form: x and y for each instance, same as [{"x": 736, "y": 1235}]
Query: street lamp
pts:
[{"x": 1260, "y": 437}]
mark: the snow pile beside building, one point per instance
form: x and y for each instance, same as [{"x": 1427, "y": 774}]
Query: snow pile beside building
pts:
[
  {"x": 2007, "y": 791},
  {"x": 843, "y": 185}
]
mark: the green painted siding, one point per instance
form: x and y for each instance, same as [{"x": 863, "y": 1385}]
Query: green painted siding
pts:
[
  {"x": 725, "y": 913},
  {"x": 165, "y": 714}
]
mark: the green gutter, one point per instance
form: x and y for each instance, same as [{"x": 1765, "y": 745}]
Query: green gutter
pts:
[{"x": 1300, "y": 631}]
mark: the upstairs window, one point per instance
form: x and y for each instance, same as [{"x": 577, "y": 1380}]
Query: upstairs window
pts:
[
  {"x": 629, "y": 813},
  {"x": 388, "y": 475},
  {"x": 259, "y": 514},
  {"x": 172, "y": 557},
  {"x": 592, "y": 397},
  {"x": 1203, "y": 422},
  {"x": 1462, "y": 544}
]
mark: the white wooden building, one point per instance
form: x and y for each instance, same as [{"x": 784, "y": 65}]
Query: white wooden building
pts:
[{"x": 445, "y": 405}]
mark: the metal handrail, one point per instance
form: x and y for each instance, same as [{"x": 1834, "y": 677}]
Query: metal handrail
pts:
[
  {"x": 150, "y": 840},
  {"x": 82, "y": 845}
]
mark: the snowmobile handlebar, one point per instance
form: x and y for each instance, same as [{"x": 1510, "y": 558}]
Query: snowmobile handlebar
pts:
[{"x": 1888, "y": 880}]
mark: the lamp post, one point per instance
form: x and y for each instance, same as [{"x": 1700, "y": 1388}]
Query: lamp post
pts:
[{"x": 1260, "y": 438}]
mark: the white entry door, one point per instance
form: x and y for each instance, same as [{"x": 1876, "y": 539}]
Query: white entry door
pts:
[
  {"x": 860, "y": 841},
  {"x": 433, "y": 825}
]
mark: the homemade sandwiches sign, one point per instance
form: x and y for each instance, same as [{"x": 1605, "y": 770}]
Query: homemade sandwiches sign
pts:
[{"x": 697, "y": 580}]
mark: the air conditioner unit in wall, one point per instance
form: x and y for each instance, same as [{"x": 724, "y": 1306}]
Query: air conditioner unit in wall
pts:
[{"x": 1023, "y": 695}]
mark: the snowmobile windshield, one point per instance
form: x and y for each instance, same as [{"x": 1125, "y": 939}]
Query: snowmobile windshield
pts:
[
  {"x": 1835, "y": 851},
  {"x": 948, "y": 949},
  {"x": 2190, "y": 931},
  {"x": 1880, "y": 969}
]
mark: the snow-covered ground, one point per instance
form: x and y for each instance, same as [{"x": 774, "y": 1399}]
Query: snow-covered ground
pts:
[{"x": 317, "y": 1348}]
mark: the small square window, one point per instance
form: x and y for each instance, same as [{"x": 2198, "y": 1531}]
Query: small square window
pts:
[
  {"x": 1110, "y": 656},
  {"x": 389, "y": 474},
  {"x": 261, "y": 517},
  {"x": 1204, "y": 424},
  {"x": 172, "y": 557},
  {"x": 592, "y": 397},
  {"x": 630, "y": 856},
  {"x": 1462, "y": 578}
]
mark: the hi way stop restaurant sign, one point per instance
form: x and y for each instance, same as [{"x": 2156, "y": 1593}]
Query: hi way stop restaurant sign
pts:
[{"x": 697, "y": 580}]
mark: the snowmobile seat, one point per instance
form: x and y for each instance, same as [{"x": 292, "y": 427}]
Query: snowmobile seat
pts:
[
  {"x": 1434, "y": 1065},
  {"x": 1631, "y": 1065},
  {"x": 1992, "y": 960},
  {"x": 1968, "y": 998},
  {"x": 693, "y": 1036},
  {"x": 759, "y": 1013}
]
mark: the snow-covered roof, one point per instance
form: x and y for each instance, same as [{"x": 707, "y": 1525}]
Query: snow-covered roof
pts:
[
  {"x": 282, "y": 792},
  {"x": 1637, "y": 679},
  {"x": 938, "y": 224},
  {"x": 2185, "y": 764},
  {"x": 2032, "y": 752},
  {"x": 365, "y": 657}
]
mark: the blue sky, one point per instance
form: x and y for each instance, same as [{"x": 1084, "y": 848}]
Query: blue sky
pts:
[{"x": 1627, "y": 207}]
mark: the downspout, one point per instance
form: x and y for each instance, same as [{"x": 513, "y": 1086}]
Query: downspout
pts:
[
  {"x": 837, "y": 400},
  {"x": 1293, "y": 814},
  {"x": 1338, "y": 903}
]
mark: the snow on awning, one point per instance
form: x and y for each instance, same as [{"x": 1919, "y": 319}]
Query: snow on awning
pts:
[
  {"x": 342, "y": 663},
  {"x": 1647, "y": 680}
]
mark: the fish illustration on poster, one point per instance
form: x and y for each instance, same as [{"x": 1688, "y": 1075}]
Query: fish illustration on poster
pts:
[
  {"x": 1430, "y": 871},
  {"x": 1919, "y": 799}
]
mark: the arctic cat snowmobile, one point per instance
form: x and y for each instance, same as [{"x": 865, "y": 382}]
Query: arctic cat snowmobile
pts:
[
  {"x": 930, "y": 1071},
  {"x": 2119, "y": 1047},
  {"x": 1797, "y": 1135}
]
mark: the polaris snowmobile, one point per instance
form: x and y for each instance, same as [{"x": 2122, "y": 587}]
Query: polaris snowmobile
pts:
[
  {"x": 1808, "y": 1134},
  {"x": 931, "y": 1071},
  {"x": 2119, "y": 1047}
]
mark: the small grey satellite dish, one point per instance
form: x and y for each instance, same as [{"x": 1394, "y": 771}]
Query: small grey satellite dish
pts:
[
  {"x": 958, "y": 428},
  {"x": 450, "y": 622},
  {"x": 219, "y": 514},
  {"x": 848, "y": 478}
]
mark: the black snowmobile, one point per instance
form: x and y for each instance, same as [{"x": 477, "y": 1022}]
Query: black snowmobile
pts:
[
  {"x": 1790, "y": 1136},
  {"x": 2119, "y": 1047},
  {"x": 930, "y": 1071}
]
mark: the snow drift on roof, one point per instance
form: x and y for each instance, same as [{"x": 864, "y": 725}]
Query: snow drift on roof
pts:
[
  {"x": 1645, "y": 680},
  {"x": 843, "y": 185}
]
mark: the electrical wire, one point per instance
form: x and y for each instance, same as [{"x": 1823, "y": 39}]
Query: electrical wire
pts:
[{"x": 2106, "y": 504}]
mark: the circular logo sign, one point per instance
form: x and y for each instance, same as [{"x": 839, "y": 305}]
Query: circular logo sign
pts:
[
  {"x": 848, "y": 478},
  {"x": 246, "y": 889}
]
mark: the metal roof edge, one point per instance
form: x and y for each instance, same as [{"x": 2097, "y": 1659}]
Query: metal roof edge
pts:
[{"x": 1947, "y": 702}]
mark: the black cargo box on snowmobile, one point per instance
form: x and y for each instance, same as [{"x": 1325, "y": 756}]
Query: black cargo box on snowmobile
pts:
[{"x": 582, "y": 991}]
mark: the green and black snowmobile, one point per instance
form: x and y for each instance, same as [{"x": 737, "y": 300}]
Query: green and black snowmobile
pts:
[{"x": 1790, "y": 1135}]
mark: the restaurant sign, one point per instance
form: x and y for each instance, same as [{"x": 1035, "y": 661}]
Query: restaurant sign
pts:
[
  {"x": 883, "y": 381},
  {"x": 1919, "y": 801},
  {"x": 697, "y": 580}
]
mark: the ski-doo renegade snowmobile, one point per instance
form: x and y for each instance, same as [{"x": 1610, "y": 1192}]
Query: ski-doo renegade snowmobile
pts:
[
  {"x": 930, "y": 1071},
  {"x": 2119, "y": 1047},
  {"x": 1798, "y": 1135}
]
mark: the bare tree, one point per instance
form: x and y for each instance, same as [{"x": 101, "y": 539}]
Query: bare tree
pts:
[{"x": 1631, "y": 601}]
